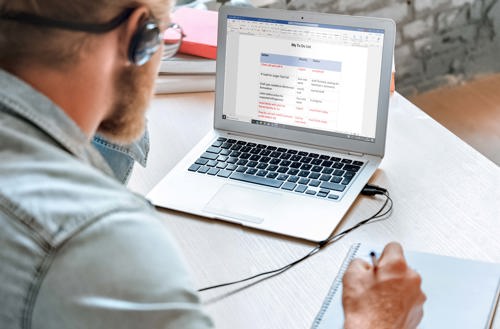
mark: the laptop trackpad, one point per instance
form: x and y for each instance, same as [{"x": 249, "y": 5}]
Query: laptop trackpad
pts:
[{"x": 243, "y": 203}]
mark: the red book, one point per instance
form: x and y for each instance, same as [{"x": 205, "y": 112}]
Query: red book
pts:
[{"x": 200, "y": 30}]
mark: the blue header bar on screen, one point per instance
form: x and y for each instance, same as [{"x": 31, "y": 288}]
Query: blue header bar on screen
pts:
[{"x": 326, "y": 26}]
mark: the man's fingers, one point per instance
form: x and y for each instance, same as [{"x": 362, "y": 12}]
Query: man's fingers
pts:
[{"x": 393, "y": 256}]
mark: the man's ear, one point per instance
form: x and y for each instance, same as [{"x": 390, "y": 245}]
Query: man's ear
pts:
[{"x": 128, "y": 30}]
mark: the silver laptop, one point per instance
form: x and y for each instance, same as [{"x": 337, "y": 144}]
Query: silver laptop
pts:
[{"x": 299, "y": 126}]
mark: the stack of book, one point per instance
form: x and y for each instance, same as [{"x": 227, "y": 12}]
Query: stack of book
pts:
[{"x": 192, "y": 69}]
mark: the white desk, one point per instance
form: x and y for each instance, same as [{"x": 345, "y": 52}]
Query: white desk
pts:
[{"x": 446, "y": 201}]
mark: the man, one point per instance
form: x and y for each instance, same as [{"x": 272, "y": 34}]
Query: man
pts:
[{"x": 77, "y": 249}]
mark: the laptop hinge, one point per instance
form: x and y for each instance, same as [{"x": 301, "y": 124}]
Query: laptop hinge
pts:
[{"x": 356, "y": 154}]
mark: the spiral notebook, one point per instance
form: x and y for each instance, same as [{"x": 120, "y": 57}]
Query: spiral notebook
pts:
[{"x": 461, "y": 294}]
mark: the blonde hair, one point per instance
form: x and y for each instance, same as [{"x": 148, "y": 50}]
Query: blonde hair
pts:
[{"x": 20, "y": 42}]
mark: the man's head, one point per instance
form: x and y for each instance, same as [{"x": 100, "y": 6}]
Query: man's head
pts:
[{"x": 60, "y": 48}]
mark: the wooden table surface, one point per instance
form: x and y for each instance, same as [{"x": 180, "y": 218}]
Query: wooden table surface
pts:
[{"x": 446, "y": 201}]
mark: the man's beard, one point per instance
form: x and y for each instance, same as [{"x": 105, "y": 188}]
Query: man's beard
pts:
[{"x": 127, "y": 121}]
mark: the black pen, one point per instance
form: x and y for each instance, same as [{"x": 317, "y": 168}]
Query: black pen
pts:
[{"x": 373, "y": 257}]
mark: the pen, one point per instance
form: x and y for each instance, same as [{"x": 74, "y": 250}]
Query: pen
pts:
[{"x": 373, "y": 257}]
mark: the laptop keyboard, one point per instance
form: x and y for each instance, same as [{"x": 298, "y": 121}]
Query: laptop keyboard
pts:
[{"x": 314, "y": 174}]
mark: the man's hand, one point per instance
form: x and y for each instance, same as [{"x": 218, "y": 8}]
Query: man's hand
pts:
[{"x": 386, "y": 297}]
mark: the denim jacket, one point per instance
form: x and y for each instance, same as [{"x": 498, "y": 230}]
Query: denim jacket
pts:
[{"x": 77, "y": 249}]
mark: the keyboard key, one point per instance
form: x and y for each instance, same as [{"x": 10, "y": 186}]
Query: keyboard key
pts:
[
  {"x": 235, "y": 154},
  {"x": 357, "y": 163},
  {"x": 285, "y": 156},
  {"x": 305, "y": 160},
  {"x": 324, "y": 157},
  {"x": 292, "y": 151},
  {"x": 293, "y": 179},
  {"x": 225, "y": 152},
  {"x": 301, "y": 189},
  {"x": 272, "y": 168},
  {"x": 272, "y": 175},
  {"x": 295, "y": 158},
  {"x": 285, "y": 163},
  {"x": 201, "y": 161},
  {"x": 251, "y": 144},
  {"x": 335, "y": 159},
  {"x": 349, "y": 174},
  {"x": 304, "y": 154},
  {"x": 217, "y": 143},
  {"x": 255, "y": 157},
  {"x": 313, "y": 155},
  {"x": 293, "y": 171},
  {"x": 224, "y": 173},
  {"x": 327, "y": 163},
  {"x": 242, "y": 162},
  {"x": 256, "y": 180},
  {"x": 281, "y": 149},
  {"x": 327, "y": 171},
  {"x": 316, "y": 169},
  {"x": 322, "y": 194},
  {"x": 304, "y": 181},
  {"x": 262, "y": 173},
  {"x": 289, "y": 186},
  {"x": 295, "y": 165},
  {"x": 275, "y": 154},
  {"x": 212, "y": 163},
  {"x": 282, "y": 170},
  {"x": 265, "y": 152},
  {"x": 213, "y": 171},
  {"x": 231, "y": 167},
  {"x": 283, "y": 177},
  {"x": 346, "y": 161},
  {"x": 314, "y": 175},
  {"x": 261, "y": 146},
  {"x": 311, "y": 192},
  {"x": 241, "y": 143},
  {"x": 316, "y": 162},
  {"x": 265, "y": 159},
  {"x": 275, "y": 161},
  {"x": 325, "y": 177},
  {"x": 222, "y": 158},
  {"x": 232, "y": 141},
  {"x": 314, "y": 183},
  {"x": 255, "y": 150},
  {"x": 245, "y": 156},
  {"x": 306, "y": 166},
  {"x": 221, "y": 165},
  {"x": 351, "y": 168},
  {"x": 242, "y": 169},
  {"x": 337, "y": 165},
  {"x": 333, "y": 196},
  {"x": 221, "y": 139},
  {"x": 332, "y": 186},
  {"x": 245, "y": 149},
  {"x": 210, "y": 156},
  {"x": 271, "y": 148},
  {"x": 346, "y": 181},
  {"x": 252, "y": 164},
  {"x": 261, "y": 165},
  {"x": 235, "y": 147},
  {"x": 336, "y": 179},
  {"x": 232, "y": 160},
  {"x": 338, "y": 172},
  {"x": 304, "y": 173},
  {"x": 251, "y": 171},
  {"x": 203, "y": 170},
  {"x": 194, "y": 167},
  {"x": 226, "y": 145}
]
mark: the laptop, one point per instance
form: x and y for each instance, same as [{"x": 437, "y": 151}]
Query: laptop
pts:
[{"x": 300, "y": 122}]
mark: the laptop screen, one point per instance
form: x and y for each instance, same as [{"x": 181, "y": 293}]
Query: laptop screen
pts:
[{"x": 303, "y": 76}]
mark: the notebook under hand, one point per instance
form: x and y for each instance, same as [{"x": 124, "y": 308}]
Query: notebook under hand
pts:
[{"x": 299, "y": 126}]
